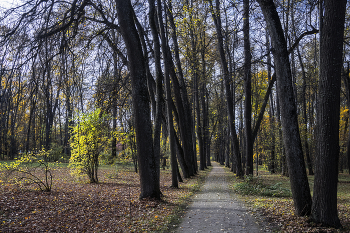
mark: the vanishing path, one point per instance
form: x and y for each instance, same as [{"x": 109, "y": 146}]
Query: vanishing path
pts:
[{"x": 214, "y": 210}]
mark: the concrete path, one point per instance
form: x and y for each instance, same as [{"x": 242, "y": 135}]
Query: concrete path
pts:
[{"x": 214, "y": 210}]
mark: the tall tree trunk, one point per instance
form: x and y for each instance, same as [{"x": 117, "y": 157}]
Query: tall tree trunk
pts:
[
  {"x": 188, "y": 137},
  {"x": 227, "y": 153},
  {"x": 174, "y": 166},
  {"x": 227, "y": 79},
  {"x": 168, "y": 96},
  {"x": 114, "y": 127},
  {"x": 199, "y": 126},
  {"x": 203, "y": 99},
  {"x": 68, "y": 123},
  {"x": 159, "y": 79},
  {"x": 206, "y": 126},
  {"x": 347, "y": 86},
  {"x": 291, "y": 137},
  {"x": 147, "y": 161},
  {"x": 181, "y": 158},
  {"x": 30, "y": 120},
  {"x": 2, "y": 116},
  {"x": 305, "y": 121},
  {"x": 271, "y": 110},
  {"x": 324, "y": 208},
  {"x": 247, "y": 91}
]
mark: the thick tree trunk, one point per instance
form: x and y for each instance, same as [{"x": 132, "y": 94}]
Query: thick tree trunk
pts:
[
  {"x": 324, "y": 208},
  {"x": 159, "y": 79},
  {"x": 347, "y": 84},
  {"x": 291, "y": 138},
  {"x": 147, "y": 161},
  {"x": 2, "y": 118},
  {"x": 348, "y": 151}
]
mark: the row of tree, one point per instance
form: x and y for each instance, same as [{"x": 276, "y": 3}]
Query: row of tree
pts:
[{"x": 235, "y": 80}]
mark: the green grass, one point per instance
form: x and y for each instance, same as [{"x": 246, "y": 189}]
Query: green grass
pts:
[
  {"x": 258, "y": 186},
  {"x": 259, "y": 193}
]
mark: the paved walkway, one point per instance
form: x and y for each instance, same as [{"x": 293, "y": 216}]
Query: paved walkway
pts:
[{"x": 214, "y": 210}]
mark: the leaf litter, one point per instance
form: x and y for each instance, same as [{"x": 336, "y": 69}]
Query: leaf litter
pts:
[{"x": 113, "y": 205}]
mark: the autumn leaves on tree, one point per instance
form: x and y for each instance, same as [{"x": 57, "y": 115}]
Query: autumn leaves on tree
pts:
[{"x": 194, "y": 80}]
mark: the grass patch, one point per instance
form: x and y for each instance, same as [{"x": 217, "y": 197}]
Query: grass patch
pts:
[
  {"x": 268, "y": 196},
  {"x": 252, "y": 185}
]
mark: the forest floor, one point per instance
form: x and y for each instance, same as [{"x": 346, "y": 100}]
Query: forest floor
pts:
[
  {"x": 109, "y": 206},
  {"x": 269, "y": 195},
  {"x": 113, "y": 205}
]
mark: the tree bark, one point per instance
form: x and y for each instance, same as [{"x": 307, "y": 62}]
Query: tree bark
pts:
[
  {"x": 181, "y": 158},
  {"x": 147, "y": 162},
  {"x": 159, "y": 80},
  {"x": 291, "y": 137},
  {"x": 227, "y": 79},
  {"x": 347, "y": 86},
  {"x": 324, "y": 208},
  {"x": 187, "y": 136},
  {"x": 305, "y": 121},
  {"x": 247, "y": 91},
  {"x": 271, "y": 110},
  {"x": 199, "y": 126},
  {"x": 174, "y": 167}
]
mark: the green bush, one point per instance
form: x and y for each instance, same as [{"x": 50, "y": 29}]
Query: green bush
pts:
[
  {"x": 89, "y": 138},
  {"x": 29, "y": 169},
  {"x": 254, "y": 186},
  {"x": 56, "y": 153},
  {"x": 106, "y": 158}
]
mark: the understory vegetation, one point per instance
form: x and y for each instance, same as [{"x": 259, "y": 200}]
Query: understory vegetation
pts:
[
  {"x": 255, "y": 186},
  {"x": 269, "y": 195}
]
